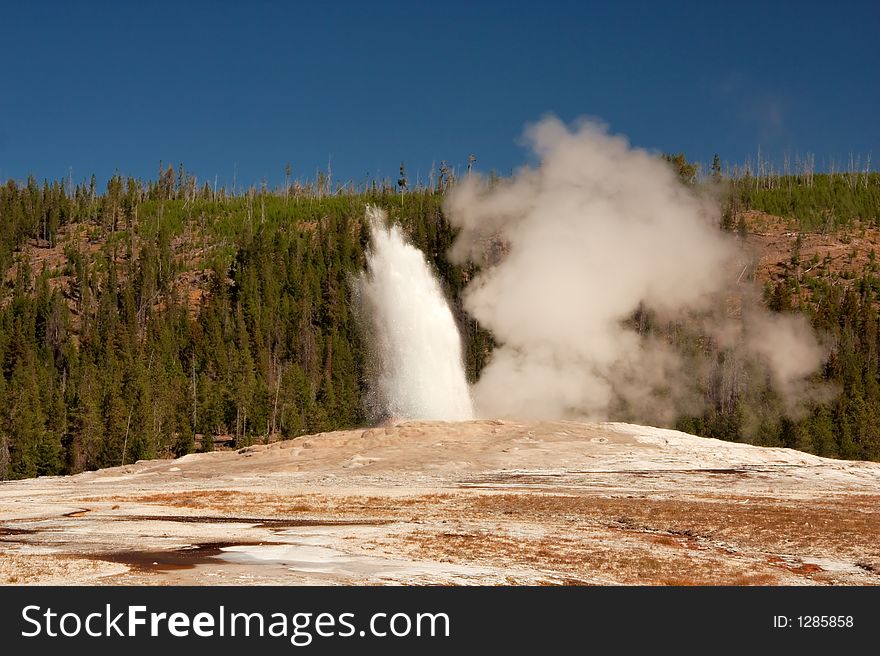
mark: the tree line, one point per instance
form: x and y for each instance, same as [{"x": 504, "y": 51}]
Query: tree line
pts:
[{"x": 147, "y": 319}]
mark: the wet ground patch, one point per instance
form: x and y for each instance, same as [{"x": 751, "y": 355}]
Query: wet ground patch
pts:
[
  {"x": 11, "y": 530},
  {"x": 259, "y": 522},
  {"x": 171, "y": 559}
]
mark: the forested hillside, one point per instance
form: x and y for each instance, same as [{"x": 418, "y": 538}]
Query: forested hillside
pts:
[{"x": 151, "y": 318}]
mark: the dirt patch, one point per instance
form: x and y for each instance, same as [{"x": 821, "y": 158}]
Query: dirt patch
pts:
[
  {"x": 285, "y": 504},
  {"x": 795, "y": 567},
  {"x": 591, "y": 557},
  {"x": 23, "y": 569},
  {"x": 845, "y": 525},
  {"x": 840, "y": 257}
]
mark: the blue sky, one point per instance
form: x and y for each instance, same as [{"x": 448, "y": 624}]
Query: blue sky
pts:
[{"x": 241, "y": 88}]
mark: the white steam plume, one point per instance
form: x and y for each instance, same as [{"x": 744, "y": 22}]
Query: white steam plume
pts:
[{"x": 570, "y": 250}]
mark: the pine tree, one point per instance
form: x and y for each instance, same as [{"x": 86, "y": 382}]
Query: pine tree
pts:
[{"x": 716, "y": 167}]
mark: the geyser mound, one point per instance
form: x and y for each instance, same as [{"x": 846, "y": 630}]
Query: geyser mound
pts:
[{"x": 416, "y": 368}]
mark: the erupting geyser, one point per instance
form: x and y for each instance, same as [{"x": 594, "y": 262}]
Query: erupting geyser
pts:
[{"x": 416, "y": 359}]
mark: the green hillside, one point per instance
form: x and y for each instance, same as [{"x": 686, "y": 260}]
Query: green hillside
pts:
[{"x": 148, "y": 319}]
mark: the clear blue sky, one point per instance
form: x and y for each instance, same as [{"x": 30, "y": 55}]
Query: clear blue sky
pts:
[{"x": 249, "y": 86}]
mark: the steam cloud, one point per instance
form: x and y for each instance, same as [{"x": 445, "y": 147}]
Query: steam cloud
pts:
[{"x": 571, "y": 250}]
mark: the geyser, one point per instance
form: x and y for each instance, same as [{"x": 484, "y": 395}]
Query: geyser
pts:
[{"x": 416, "y": 359}]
